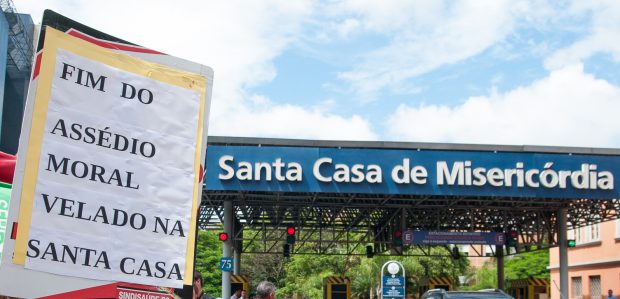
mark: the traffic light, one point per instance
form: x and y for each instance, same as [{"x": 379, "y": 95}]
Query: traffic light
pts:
[
  {"x": 286, "y": 250},
  {"x": 223, "y": 237},
  {"x": 571, "y": 243},
  {"x": 455, "y": 253},
  {"x": 512, "y": 238},
  {"x": 369, "y": 252},
  {"x": 397, "y": 239},
  {"x": 290, "y": 235}
]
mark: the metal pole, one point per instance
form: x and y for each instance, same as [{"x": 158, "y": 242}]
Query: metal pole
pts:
[
  {"x": 499, "y": 253},
  {"x": 401, "y": 224},
  {"x": 227, "y": 246},
  {"x": 237, "y": 259},
  {"x": 563, "y": 253},
  {"x": 238, "y": 248}
]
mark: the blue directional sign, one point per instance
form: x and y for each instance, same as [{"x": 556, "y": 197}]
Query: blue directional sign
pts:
[
  {"x": 226, "y": 264},
  {"x": 393, "y": 292},
  {"x": 393, "y": 281},
  {"x": 444, "y": 238}
]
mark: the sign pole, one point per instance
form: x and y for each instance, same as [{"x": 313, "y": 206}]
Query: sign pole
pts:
[
  {"x": 227, "y": 247},
  {"x": 393, "y": 285}
]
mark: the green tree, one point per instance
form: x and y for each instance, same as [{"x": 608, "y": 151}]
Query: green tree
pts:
[
  {"x": 526, "y": 264},
  {"x": 365, "y": 279},
  {"x": 485, "y": 277},
  {"x": 366, "y": 276},
  {"x": 437, "y": 264},
  {"x": 305, "y": 273},
  {"x": 519, "y": 266},
  {"x": 208, "y": 253},
  {"x": 302, "y": 275},
  {"x": 259, "y": 267}
]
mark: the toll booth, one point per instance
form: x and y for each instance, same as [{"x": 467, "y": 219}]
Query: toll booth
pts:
[
  {"x": 240, "y": 281},
  {"x": 336, "y": 287},
  {"x": 435, "y": 283},
  {"x": 530, "y": 288}
]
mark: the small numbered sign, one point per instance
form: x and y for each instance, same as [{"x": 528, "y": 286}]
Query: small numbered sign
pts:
[{"x": 226, "y": 264}]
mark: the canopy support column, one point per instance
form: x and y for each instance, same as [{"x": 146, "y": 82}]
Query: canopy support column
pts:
[
  {"x": 237, "y": 259},
  {"x": 562, "y": 227},
  {"x": 499, "y": 253}
]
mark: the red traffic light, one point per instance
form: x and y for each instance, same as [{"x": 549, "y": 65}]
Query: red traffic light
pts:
[
  {"x": 398, "y": 234},
  {"x": 512, "y": 238},
  {"x": 223, "y": 237},
  {"x": 290, "y": 231}
]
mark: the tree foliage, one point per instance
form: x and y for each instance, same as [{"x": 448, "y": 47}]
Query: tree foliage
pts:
[
  {"x": 259, "y": 267},
  {"x": 305, "y": 273},
  {"x": 208, "y": 253},
  {"x": 485, "y": 277},
  {"x": 522, "y": 265},
  {"x": 301, "y": 276},
  {"x": 526, "y": 264}
]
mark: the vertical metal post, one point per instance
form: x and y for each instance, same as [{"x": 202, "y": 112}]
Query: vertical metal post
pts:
[
  {"x": 238, "y": 248},
  {"x": 499, "y": 253},
  {"x": 237, "y": 259},
  {"x": 562, "y": 225},
  {"x": 227, "y": 246},
  {"x": 401, "y": 224},
  {"x": 403, "y": 221}
]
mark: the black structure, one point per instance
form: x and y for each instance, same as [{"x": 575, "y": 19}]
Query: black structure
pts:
[{"x": 15, "y": 67}]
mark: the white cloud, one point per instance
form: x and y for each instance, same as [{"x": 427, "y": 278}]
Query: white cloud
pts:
[
  {"x": 424, "y": 37},
  {"x": 290, "y": 121},
  {"x": 603, "y": 30},
  {"x": 567, "y": 108},
  {"x": 238, "y": 39},
  {"x": 391, "y": 16},
  {"x": 347, "y": 27}
]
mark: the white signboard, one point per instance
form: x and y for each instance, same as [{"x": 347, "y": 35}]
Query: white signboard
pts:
[{"x": 116, "y": 165}]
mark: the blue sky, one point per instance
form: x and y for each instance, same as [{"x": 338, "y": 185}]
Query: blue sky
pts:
[{"x": 496, "y": 72}]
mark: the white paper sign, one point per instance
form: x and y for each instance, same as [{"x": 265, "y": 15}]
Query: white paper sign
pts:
[{"x": 116, "y": 176}]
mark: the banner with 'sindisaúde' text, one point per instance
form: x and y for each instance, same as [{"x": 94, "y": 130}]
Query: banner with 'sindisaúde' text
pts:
[{"x": 5, "y": 197}]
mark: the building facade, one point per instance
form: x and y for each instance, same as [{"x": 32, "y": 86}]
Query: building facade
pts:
[
  {"x": 593, "y": 264},
  {"x": 16, "y": 48}
]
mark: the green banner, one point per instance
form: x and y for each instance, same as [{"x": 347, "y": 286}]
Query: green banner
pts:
[{"x": 5, "y": 196}]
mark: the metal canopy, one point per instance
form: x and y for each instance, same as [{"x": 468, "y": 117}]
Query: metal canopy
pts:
[{"x": 357, "y": 220}]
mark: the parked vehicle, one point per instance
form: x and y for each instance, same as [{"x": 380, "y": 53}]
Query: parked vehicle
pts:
[{"x": 481, "y": 294}]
